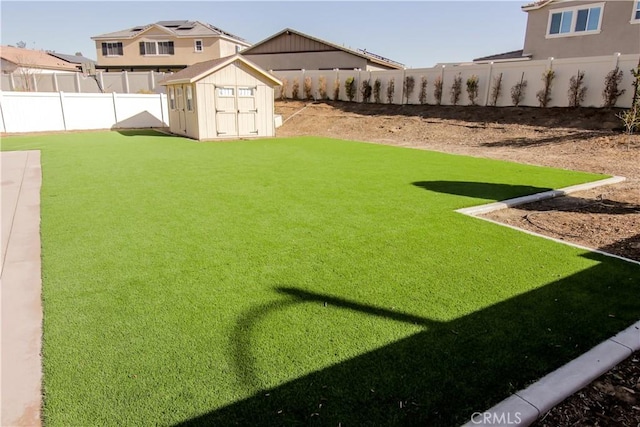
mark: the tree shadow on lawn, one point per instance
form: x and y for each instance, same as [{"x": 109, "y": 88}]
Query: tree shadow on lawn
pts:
[
  {"x": 491, "y": 191},
  {"x": 440, "y": 376},
  {"x": 479, "y": 190}
]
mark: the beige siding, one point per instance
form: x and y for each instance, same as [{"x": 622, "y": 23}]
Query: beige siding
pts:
[
  {"x": 617, "y": 33},
  {"x": 184, "y": 48},
  {"x": 215, "y": 114}
]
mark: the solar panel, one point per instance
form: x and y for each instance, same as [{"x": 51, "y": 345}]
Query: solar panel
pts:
[
  {"x": 187, "y": 26},
  {"x": 172, "y": 23}
]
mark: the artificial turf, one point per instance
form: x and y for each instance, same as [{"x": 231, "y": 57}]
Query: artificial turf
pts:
[{"x": 300, "y": 281}]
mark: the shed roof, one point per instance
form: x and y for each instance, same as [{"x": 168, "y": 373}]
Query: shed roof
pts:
[
  {"x": 183, "y": 28},
  {"x": 29, "y": 58},
  {"x": 200, "y": 70},
  {"x": 363, "y": 53}
]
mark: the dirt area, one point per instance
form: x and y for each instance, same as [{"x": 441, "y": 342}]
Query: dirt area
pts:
[{"x": 585, "y": 139}]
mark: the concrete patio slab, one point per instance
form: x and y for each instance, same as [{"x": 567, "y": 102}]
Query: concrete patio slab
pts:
[{"x": 20, "y": 290}]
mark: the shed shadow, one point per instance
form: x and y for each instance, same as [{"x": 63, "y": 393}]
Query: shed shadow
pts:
[{"x": 479, "y": 190}]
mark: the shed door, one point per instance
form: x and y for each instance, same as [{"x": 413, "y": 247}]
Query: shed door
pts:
[
  {"x": 182, "y": 120},
  {"x": 226, "y": 111},
  {"x": 247, "y": 111}
]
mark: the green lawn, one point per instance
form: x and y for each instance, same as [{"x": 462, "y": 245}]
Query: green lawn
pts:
[{"x": 300, "y": 281}]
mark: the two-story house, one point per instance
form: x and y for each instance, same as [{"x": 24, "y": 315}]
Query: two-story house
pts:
[
  {"x": 567, "y": 29},
  {"x": 570, "y": 29},
  {"x": 164, "y": 46}
]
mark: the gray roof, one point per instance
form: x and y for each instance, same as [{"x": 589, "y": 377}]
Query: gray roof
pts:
[
  {"x": 182, "y": 28},
  {"x": 363, "y": 53},
  {"x": 74, "y": 59},
  {"x": 514, "y": 54}
]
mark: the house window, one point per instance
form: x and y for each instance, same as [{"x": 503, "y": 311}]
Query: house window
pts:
[
  {"x": 635, "y": 17},
  {"x": 245, "y": 91},
  {"x": 112, "y": 49},
  {"x": 172, "y": 99},
  {"x": 225, "y": 91},
  {"x": 575, "y": 21},
  {"x": 156, "y": 48},
  {"x": 189, "y": 93},
  {"x": 198, "y": 46}
]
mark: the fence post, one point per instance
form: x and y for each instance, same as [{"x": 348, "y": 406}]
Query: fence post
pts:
[
  {"x": 101, "y": 80},
  {"x": 115, "y": 110},
  {"x": 161, "y": 108},
  {"x": 125, "y": 81},
  {"x": 35, "y": 82},
  {"x": 77, "y": 83},
  {"x": 616, "y": 60},
  {"x": 489, "y": 76},
  {"x": 12, "y": 83},
  {"x": 4, "y": 124},
  {"x": 152, "y": 81},
  {"x": 54, "y": 77},
  {"x": 64, "y": 119}
]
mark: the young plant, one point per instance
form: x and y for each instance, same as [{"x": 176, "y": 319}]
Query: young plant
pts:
[
  {"x": 308, "y": 94},
  {"x": 408, "y": 86},
  {"x": 336, "y": 89},
  {"x": 437, "y": 90},
  {"x": 350, "y": 88},
  {"x": 517, "y": 91},
  {"x": 577, "y": 89},
  {"x": 283, "y": 89},
  {"x": 473, "y": 85},
  {"x": 496, "y": 90},
  {"x": 365, "y": 91},
  {"x": 544, "y": 94},
  {"x": 295, "y": 88},
  {"x": 611, "y": 93},
  {"x": 322, "y": 87},
  {"x": 377, "y": 84},
  {"x": 391, "y": 88},
  {"x": 422, "y": 96},
  {"x": 456, "y": 89}
]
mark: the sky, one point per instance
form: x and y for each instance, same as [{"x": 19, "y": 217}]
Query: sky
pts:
[{"x": 416, "y": 33}]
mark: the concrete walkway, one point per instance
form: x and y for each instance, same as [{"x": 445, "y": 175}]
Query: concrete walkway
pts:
[{"x": 20, "y": 290}]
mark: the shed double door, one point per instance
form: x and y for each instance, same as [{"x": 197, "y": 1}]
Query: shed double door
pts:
[{"x": 236, "y": 111}]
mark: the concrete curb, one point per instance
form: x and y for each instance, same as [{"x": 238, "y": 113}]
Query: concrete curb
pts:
[
  {"x": 524, "y": 407},
  {"x": 490, "y": 207}
]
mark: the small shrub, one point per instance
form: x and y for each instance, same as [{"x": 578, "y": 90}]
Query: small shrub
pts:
[
  {"x": 422, "y": 96},
  {"x": 295, "y": 89},
  {"x": 391, "y": 88},
  {"x": 544, "y": 94},
  {"x": 365, "y": 91},
  {"x": 630, "y": 119},
  {"x": 322, "y": 88},
  {"x": 308, "y": 94},
  {"x": 611, "y": 93},
  {"x": 377, "y": 84},
  {"x": 283, "y": 89},
  {"x": 350, "y": 88},
  {"x": 408, "y": 86},
  {"x": 577, "y": 89},
  {"x": 473, "y": 84},
  {"x": 517, "y": 91},
  {"x": 336, "y": 89},
  {"x": 437, "y": 90},
  {"x": 496, "y": 90},
  {"x": 456, "y": 89}
]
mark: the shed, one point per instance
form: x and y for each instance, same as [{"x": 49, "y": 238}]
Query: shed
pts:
[{"x": 228, "y": 97}]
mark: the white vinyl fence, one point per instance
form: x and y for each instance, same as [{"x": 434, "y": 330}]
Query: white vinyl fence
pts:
[
  {"x": 120, "y": 82},
  {"x": 594, "y": 68},
  {"x": 49, "y": 111}
]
